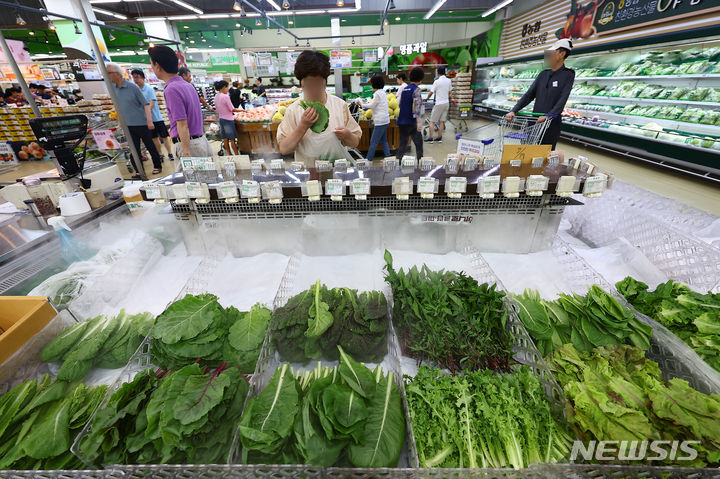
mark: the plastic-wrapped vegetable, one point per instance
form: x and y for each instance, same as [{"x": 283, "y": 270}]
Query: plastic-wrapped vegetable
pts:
[
  {"x": 710, "y": 117},
  {"x": 696, "y": 94},
  {"x": 692, "y": 115},
  {"x": 713, "y": 95},
  {"x": 678, "y": 93}
]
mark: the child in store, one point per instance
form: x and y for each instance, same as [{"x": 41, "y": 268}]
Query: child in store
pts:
[{"x": 226, "y": 119}]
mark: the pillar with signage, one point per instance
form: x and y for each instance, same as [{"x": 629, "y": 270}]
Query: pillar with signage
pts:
[{"x": 335, "y": 32}]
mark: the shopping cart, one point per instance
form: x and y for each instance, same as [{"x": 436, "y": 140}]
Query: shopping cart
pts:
[
  {"x": 458, "y": 117},
  {"x": 522, "y": 130}
]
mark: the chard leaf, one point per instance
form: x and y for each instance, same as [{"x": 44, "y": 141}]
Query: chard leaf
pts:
[
  {"x": 319, "y": 317},
  {"x": 199, "y": 396},
  {"x": 187, "y": 318},
  {"x": 248, "y": 333},
  {"x": 50, "y": 435},
  {"x": 357, "y": 376}
]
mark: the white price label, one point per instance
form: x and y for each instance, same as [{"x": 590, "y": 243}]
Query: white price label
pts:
[
  {"x": 341, "y": 165},
  {"x": 256, "y": 166},
  {"x": 536, "y": 183},
  {"x": 274, "y": 190},
  {"x": 152, "y": 192},
  {"x": 227, "y": 189},
  {"x": 362, "y": 165},
  {"x": 553, "y": 160},
  {"x": 389, "y": 164},
  {"x": 277, "y": 165},
  {"x": 538, "y": 161},
  {"x": 322, "y": 165},
  {"x": 334, "y": 187},
  {"x": 451, "y": 164},
  {"x": 249, "y": 189},
  {"x": 489, "y": 163},
  {"x": 408, "y": 162},
  {"x": 489, "y": 184},
  {"x": 427, "y": 164},
  {"x": 361, "y": 186},
  {"x": 313, "y": 188},
  {"x": 194, "y": 189},
  {"x": 426, "y": 185},
  {"x": 456, "y": 184},
  {"x": 594, "y": 184},
  {"x": 180, "y": 191},
  {"x": 402, "y": 186},
  {"x": 470, "y": 163},
  {"x": 516, "y": 163},
  {"x": 297, "y": 166}
]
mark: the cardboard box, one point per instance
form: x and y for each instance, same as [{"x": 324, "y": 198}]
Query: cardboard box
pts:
[{"x": 21, "y": 317}]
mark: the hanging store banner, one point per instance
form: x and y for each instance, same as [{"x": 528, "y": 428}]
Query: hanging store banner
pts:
[
  {"x": 340, "y": 58},
  {"x": 78, "y": 45},
  {"x": 264, "y": 59},
  {"x": 370, "y": 56},
  {"x": 19, "y": 53},
  {"x": 599, "y": 22}
]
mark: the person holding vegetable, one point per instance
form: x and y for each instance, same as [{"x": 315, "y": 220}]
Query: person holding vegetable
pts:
[
  {"x": 550, "y": 90},
  {"x": 320, "y": 126},
  {"x": 381, "y": 117}
]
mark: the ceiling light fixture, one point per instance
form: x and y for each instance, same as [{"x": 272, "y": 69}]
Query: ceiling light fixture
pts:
[
  {"x": 308, "y": 43},
  {"x": 242, "y": 32},
  {"x": 112, "y": 37},
  {"x": 228, "y": 34},
  {"x": 237, "y": 25},
  {"x": 151, "y": 45},
  {"x": 397, "y": 19},
  {"x": 274, "y": 4},
  {"x": 258, "y": 22},
  {"x": 215, "y": 34},
  {"x": 188, "y": 6},
  {"x": 286, "y": 4},
  {"x": 340, "y": 3},
  {"x": 186, "y": 27},
  {"x": 204, "y": 40},
  {"x": 392, "y": 5},
  {"x": 31, "y": 32},
  {"x": 51, "y": 25},
  {"x": 290, "y": 22},
  {"x": 192, "y": 41},
  {"x": 386, "y": 23},
  {"x": 237, "y": 6},
  {"x": 77, "y": 30},
  {"x": 353, "y": 41},
  {"x": 20, "y": 20},
  {"x": 435, "y": 8},
  {"x": 496, "y": 8},
  {"x": 110, "y": 13},
  {"x": 344, "y": 20}
]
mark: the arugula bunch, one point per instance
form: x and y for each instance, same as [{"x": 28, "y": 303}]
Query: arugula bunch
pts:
[
  {"x": 101, "y": 341},
  {"x": 40, "y": 419},
  {"x": 617, "y": 394},
  {"x": 596, "y": 319},
  {"x": 347, "y": 415},
  {"x": 483, "y": 419},
  {"x": 198, "y": 328},
  {"x": 184, "y": 417},
  {"x": 693, "y": 317},
  {"x": 313, "y": 323},
  {"x": 449, "y": 319}
]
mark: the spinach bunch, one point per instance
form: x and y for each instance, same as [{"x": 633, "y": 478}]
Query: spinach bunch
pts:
[
  {"x": 40, "y": 419},
  {"x": 616, "y": 394},
  {"x": 449, "y": 319},
  {"x": 100, "y": 341},
  {"x": 483, "y": 419},
  {"x": 198, "y": 328},
  {"x": 348, "y": 415},
  {"x": 184, "y": 417},
  {"x": 313, "y": 323},
  {"x": 596, "y": 319},
  {"x": 693, "y": 317}
]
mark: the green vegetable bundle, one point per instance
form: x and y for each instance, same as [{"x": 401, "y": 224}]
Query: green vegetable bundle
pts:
[
  {"x": 596, "y": 319},
  {"x": 617, "y": 394},
  {"x": 323, "y": 120},
  {"x": 482, "y": 419},
  {"x": 449, "y": 319},
  {"x": 184, "y": 417},
  {"x": 100, "y": 341},
  {"x": 348, "y": 415},
  {"x": 198, "y": 328},
  {"x": 313, "y": 323},
  {"x": 693, "y": 317},
  {"x": 39, "y": 421}
]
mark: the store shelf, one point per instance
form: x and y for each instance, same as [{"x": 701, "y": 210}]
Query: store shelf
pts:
[
  {"x": 700, "y": 76},
  {"x": 695, "y": 128},
  {"x": 624, "y": 100}
]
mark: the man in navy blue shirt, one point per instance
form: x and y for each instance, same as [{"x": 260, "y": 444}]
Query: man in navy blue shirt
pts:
[{"x": 550, "y": 90}]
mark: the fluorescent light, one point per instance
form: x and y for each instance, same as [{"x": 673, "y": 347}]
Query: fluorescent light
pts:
[
  {"x": 434, "y": 9},
  {"x": 274, "y": 5},
  {"x": 496, "y": 8},
  {"x": 108, "y": 12},
  {"x": 329, "y": 11},
  {"x": 187, "y": 5}
]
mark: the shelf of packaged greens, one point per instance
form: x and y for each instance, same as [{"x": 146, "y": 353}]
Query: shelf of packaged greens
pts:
[
  {"x": 702, "y": 76},
  {"x": 694, "y": 128},
  {"x": 643, "y": 100}
]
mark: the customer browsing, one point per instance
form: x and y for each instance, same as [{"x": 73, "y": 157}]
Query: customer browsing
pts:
[
  {"x": 226, "y": 119},
  {"x": 160, "y": 133},
  {"x": 442, "y": 89},
  {"x": 184, "y": 113},
  {"x": 185, "y": 74},
  {"x": 550, "y": 90},
  {"x": 410, "y": 117},
  {"x": 381, "y": 117}
]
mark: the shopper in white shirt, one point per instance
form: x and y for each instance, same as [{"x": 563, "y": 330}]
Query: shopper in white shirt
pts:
[
  {"x": 442, "y": 89},
  {"x": 401, "y": 80},
  {"x": 381, "y": 117}
]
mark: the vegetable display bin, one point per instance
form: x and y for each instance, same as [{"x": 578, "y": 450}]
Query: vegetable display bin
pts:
[{"x": 21, "y": 317}]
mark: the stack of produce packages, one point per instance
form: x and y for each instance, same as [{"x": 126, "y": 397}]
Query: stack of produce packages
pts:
[
  {"x": 462, "y": 93},
  {"x": 470, "y": 404}
]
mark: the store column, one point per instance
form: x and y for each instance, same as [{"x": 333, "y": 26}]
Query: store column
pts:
[{"x": 335, "y": 32}]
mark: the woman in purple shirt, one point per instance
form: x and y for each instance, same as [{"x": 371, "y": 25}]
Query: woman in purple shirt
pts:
[{"x": 225, "y": 110}]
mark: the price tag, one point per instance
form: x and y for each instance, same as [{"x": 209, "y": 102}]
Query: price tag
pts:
[
  {"x": 427, "y": 164},
  {"x": 322, "y": 165},
  {"x": 536, "y": 184},
  {"x": 451, "y": 165},
  {"x": 488, "y": 186},
  {"x": 594, "y": 186},
  {"x": 516, "y": 163},
  {"x": 227, "y": 189},
  {"x": 194, "y": 189},
  {"x": 402, "y": 187},
  {"x": 511, "y": 187},
  {"x": 408, "y": 163},
  {"x": 313, "y": 190},
  {"x": 274, "y": 191},
  {"x": 489, "y": 163},
  {"x": 456, "y": 186},
  {"x": 362, "y": 165},
  {"x": 250, "y": 189},
  {"x": 256, "y": 166},
  {"x": 590, "y": 168},
  {"x": 277, "y": 166},
  {"x": 427, "y": 186},
  {"x": 389, "y": 164},
  {"x": 180, "y": 193},
  {"x": 155, "y": 191},
  {"x": 565, "y": 186},
  {"x": 360, "y": 187},
  {"x": 335, "y": 188},
  {"x": 470, "y": 163},
  {"x": 297, "y": 166},
  {"x": 341, "y": 165},
  {"x": 553, "y": 160},
  {"x": 230, "y": 170},
  {"x": 537, "y": 162}
]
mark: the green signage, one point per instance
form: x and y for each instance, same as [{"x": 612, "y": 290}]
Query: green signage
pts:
[{"x": 616, "y": 14}]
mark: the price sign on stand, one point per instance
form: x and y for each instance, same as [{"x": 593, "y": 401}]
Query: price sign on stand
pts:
[
  {"x": 360, "y": 187},
  {"x": 7, "y": 155},
  {"x": 467, "y": 148},
  {"x": 251, "y": 190},
  {"x": 105, "y": 140},
  {"x": 335, "y": 188}
]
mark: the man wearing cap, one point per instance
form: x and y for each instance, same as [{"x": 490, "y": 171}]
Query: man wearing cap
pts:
[{"x": 550, "y": 90}]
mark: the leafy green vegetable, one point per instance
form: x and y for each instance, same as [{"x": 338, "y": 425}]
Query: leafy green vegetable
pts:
[
  {"x": 323, "y": 120},
  {"x": 449, "y": 319},
  {"x": 199, "y": 328},
  {"x": 481, "y": 419},
  {"x": 100, "y": 341},
  {"x": 40, "y": 419},
  {"x": 617, "y": 394},
  {"x": 324, "y": 417},
  {"x": 596, "y": 319},
  {"x": 313, "y": 323},
  {"x": 183, "y": 417},
  {"x": 693, "y": 317}
]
